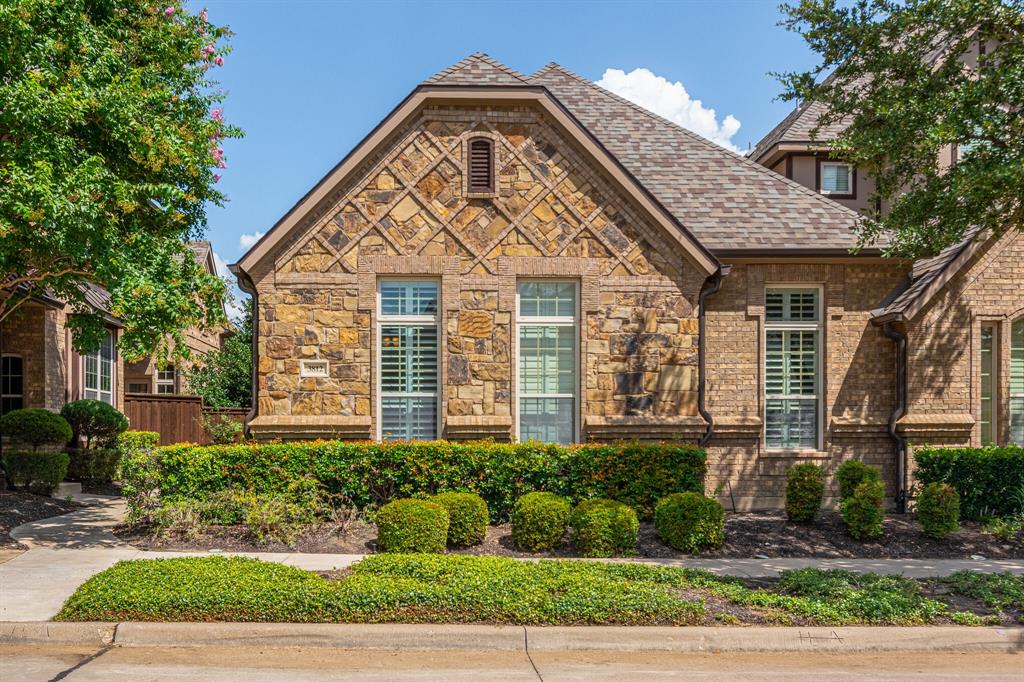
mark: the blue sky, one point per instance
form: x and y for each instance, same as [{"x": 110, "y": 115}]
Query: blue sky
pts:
[{"x": 308, "y": 80}]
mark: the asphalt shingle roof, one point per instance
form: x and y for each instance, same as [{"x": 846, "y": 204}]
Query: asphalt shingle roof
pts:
[{"x": 726, "y": 200}]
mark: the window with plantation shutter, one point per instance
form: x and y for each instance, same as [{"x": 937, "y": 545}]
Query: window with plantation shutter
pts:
[
  {"x": 792, "y": 368},
  {"x": 547, "y": 323},
  {"x": 836, "y": 178},
  {"x": 481, "y": 165},
  {"x": 408, "y": 373},
  {"x": 1017, "y": 382}
]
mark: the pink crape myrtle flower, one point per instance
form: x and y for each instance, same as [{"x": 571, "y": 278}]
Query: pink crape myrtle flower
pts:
[
  {"x": 217, "y": 115},
  {"x": 169, "y": 12},
  {"x": 202, "y": 15},
  {"x": 209, "y": 49},
  {"x": 216, "y": 177},
  {"x": 219, "y": 61}
]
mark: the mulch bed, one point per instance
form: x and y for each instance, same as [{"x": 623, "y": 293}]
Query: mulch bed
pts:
[
  {"x": 17, "y": 508},
  {"x": 747, "y": 535}
]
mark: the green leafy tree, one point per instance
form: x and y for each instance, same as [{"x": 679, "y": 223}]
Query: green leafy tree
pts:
[
  {"x": 110, "y": 143},
  {"x": 897, "y": 74},
  {"x": 224, "y": 379}
]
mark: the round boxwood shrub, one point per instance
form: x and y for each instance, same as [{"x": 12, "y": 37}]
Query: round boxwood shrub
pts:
[
  {"x": 94, "y": 421},
  {"x": 862, "y": 511},
  {"x": 98, "y": 465},
  {"x": 35, "y": 427},
  {"x": 690, "y": 522},
  {"x": 409, "y": 525},
  {"x": 604, "y": 528},
  {"x": 852, "y": 473},
  {"x": 539, "y": 521},
  {"x": 37, "y": 472},
  {"x": 468, "y": 518},
  {"x": 805, "y": 486},
  {"x": 938, "y": 510}
]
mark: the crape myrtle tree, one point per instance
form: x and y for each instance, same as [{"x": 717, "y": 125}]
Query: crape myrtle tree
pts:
[
  {"x": 896, "y": 72},
  {"x": 110, "y": 147}
]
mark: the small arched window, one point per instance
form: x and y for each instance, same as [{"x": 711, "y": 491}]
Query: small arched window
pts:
[
  {"x": 480, "y": 164},
  {"x": 12, "y": 383}
]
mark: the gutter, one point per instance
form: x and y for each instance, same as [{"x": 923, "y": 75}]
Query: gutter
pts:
[
  {"x": 900, "y": 339},
  {"x": 245, "y": 283},
  {"x": 711, "y": 286}
]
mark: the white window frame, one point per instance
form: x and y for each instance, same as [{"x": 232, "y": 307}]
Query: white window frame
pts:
[
  {"x": 849, "y": 177},
  {"x": 21, "y": 395},
  {"x": 1014, "y": 396},
  {"x": 542, "y": 321},
  {"x": 406, "y": 321},
  {"x": 817, "y": 326},
  {"x": 993, "y": 381},
  {"x": 159, "y": 382},
  {"x": 96, "y": 393}
]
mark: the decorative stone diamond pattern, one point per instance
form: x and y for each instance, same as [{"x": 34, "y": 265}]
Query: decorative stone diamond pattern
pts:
[{"x": 410, "y": 202}]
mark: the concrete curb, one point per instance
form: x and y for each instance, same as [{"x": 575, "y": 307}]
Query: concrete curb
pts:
[
  {"x": 518, "y": 638},
  {"x": 91, "y": 634}
]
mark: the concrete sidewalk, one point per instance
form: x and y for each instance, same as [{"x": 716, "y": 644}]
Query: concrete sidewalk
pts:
[{"x": 64, "y": 551}]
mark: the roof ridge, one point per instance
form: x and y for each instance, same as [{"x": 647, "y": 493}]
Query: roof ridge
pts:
[
  {"x": 700, "y": 138},
  {"x": 470, "y": 60}
]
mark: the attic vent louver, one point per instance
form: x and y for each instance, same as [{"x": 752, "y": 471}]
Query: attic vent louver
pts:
[{"x": 481, "y": 165}]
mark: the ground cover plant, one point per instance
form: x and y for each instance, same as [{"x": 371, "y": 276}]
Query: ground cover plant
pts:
[{"x": 465, "y": 589}]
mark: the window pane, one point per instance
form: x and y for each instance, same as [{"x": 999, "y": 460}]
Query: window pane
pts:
[
  {"x": 549, "y": 420},
  {"x": 791, "y": 423},
  {"x": 408, "y": 418},
  {"x": 1017, "y": 359},
  {"x": 11, "y": 376},
  {"x": 987, "y": 384},
  {"x": 408, "y": 298},
  {"x": 835, "y": 177},
  {"x": 408, "y": 359},
  {"x": 10, "y": 403},
  {"x": 791, "y": 305},
  {"x": 547, "y": 299},
  {"x": 547, "y": 359},
  {"x": 791, "y": 362},
  {"x": 1017, "y": 421}
]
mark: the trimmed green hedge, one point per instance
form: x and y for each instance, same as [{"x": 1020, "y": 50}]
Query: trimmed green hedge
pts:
[
  {"x": 602, "y": 528},
  {"x": 96, "y": 465},
  {"x": 37, "y": 472},
  {"x": 938, "y": 510},
  {"x": 863, "y": 511},
  {"x": 35, "y": 427},
  {"x": 989, "y": 481},
  {"x": 370, "y": 474},
  {"x": 539, "y": 521},
  {"x": 412, "y": 526},
  {"x": 805, "y": 486},
  {"x": 852, "y": 473},
  {"x": 468, "y": 519},
  {"x": 690, "y": 522}
]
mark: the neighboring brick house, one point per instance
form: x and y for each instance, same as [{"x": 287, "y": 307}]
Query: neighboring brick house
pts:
[
  {"x": 512, "y": 257},
  {"x": 40, "y": 368}
]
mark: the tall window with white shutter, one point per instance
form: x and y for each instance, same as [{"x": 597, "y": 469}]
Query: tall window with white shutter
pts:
[
  {"x": 547, "y": 322},
  {"x": 1017, "y": 382},
  {"x": 99, "y": 370},
  {"x": 407, "y": 375},
  {"x": 792, "y": 368}
]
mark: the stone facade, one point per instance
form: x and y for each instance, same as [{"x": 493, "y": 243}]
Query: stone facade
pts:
[{"x": 408, "y": 214}]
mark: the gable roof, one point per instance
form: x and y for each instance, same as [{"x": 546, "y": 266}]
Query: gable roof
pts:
[
  {"x": 927, "y": 277},
  {"x": 796, "y": 128},
  {"x": 707, "y": 197},
  {"x": 729, "y": 202}
]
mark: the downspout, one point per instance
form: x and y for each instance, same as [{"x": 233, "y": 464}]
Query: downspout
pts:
[
  {"x": 900, "y": 339},
  {"x": 245, "y": 284},
  {"x": 711, "y": 286}
]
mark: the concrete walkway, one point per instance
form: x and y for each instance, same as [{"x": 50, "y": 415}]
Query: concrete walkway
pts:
[{"x": 65, "y": 551}]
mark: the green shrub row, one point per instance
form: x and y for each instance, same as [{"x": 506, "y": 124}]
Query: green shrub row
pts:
[
  {"x": 371, "y": 474},
  {"x": 989, "y": 481}
]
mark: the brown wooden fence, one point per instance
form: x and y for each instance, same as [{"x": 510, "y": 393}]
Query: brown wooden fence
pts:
[{"x": 177, "y": 418}]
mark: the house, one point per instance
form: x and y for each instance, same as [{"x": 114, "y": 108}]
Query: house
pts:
[
  {"x": 517, "y": 257},
  {"x": 40, "y": 368}
]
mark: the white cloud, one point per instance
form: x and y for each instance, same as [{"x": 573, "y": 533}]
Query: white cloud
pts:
[
  {"x": 232, "y": 305},
  {"x": 247, "y": 240},
  {"x": 672, "y": 101}
]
